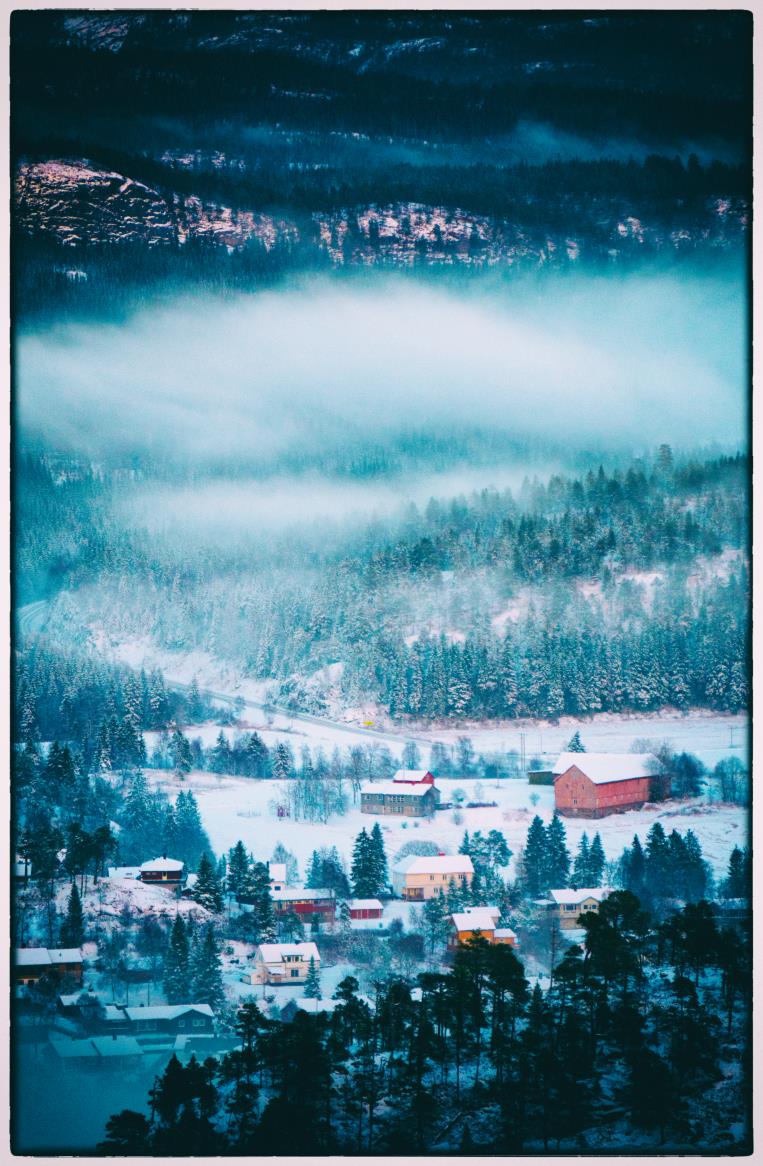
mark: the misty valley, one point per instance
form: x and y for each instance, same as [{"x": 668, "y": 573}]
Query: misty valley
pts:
[{"x": 381, "y": 582}]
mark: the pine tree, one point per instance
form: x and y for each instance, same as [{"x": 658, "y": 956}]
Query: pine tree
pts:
[
  {"x": 177, "y": 971},
  {"x": 557, "y": 854},
  {"x": 206, "y": 970},
  {"x": 207, "y": 891},
  {"x": 238, "y": 867},
  {"x": 575, "y": 745},
  {"x": 256, "y": 891},
  {"x": 535, "y": 860},
  {"x": 312, "y": 982},
  {"x": 596, "y": 862},
  {"x": 73, "y": 926},
  {"x": 582, "y": 869},
  {"x": 737, "y": 882},
  {"x": 379, "y": 859},
  {"x": 363, "y": 873}
]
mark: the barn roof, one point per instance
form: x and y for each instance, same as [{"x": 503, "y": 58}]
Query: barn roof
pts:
[{"x": 603, "y": 768}]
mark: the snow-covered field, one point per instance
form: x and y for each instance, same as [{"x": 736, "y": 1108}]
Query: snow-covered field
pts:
[{"x": 233, "y": 808}]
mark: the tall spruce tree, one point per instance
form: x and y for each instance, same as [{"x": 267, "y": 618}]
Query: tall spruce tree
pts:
[
  {"x": 207, "y": 891},
  {"x": 177, "y": 968},
  {"x": 73, "y": 926},
  {"x": 379, "y": 859},
  {"x": 535, "y": 860},
  {"x": 581, "y": 871},
  {"x": 312, "y": 982},
  {"x": 206, "y": 970},
  {"x": 596, "y": 862},
  {"x": 363, "y": 872},
  {"x": 575, "y": 745},
  {"x": 557, "y": 854}
]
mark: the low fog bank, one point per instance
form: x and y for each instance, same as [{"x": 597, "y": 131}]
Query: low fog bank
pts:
[{"x": 624, "y": 364}]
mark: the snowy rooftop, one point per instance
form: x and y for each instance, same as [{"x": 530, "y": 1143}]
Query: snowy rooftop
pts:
[
  {"x": 601, "y": 768},
  {"x": 475, "y": 920},
  {"x": 398, "y": 789},
  {"x": 404, "y": 775},
  {"x": 569, "y": 897},
  {"x": 162, "y": 864},
  {"x": 31, "y": 956},
  {"x": 274, "y": 953},
  {"x": 28, "y": 956},
  {"x": 289, "y": 894},
  {"x": 366, "y": 905},
  {"x": 505, "y": 933},
  {"x": 307, "y": 1004},
  {"x": 434, "y": 864},
  {"x": 165, "y": 1011}
]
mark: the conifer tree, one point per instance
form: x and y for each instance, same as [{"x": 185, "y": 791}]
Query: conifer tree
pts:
[
  {"x": 363, "y": 873},
  {"x": 207, "y": 891},
  {"x": 581, "y": 872},
  {"x": 575, "y": 745},
  {"x": 535, "y": 860},
  {"x": 238, "y": 867},
  {"x": 73, "y": 926},
  {"x": 312, "y": 982},
  {"x": 177, "y": 970},
  {"x": 557, "y": 854},
  {"x": 256, "y": 891},
  {"x": 206, "y": 970},
  {"x": 596, "y": 862},
  {"x": 379, "y": 859}
]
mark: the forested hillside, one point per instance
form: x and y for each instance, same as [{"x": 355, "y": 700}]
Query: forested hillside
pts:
[{"x": 616, "y": 590}]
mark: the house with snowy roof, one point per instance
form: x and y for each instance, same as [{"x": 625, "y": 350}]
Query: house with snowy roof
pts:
[
  {"x": 365, "y": 914},
  {"x": 167, "y": 871},
  {"x": 169, "y": 1018},
  {"x": 411, "y": 792},
  {"x": 30, "y": 963},
  {"x": 420, "y": 877},
  {"x": 479, "y": 923},
  {"x": 591, "y": 785},
  {"x": 303, "y": 901},
  {"x": 566, "y": 905},
  {"x": 283, "y": 963}
]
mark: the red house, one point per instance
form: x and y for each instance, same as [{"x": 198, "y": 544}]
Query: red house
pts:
[
  {"x": 365, "y": 909},
  {"x": 591, "y": 785},
  {"x": 305, "y": 901}
]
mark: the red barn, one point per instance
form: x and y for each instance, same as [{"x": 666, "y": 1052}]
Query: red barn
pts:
[
  {"x": 590, "y": 785},
  {"x": 305, "y": 901}
]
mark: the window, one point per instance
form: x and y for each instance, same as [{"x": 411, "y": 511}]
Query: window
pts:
[
  {"x": 198, "y": 1023},
  {"x": 294, "y": 972},
  {"x": 181, "y": 1024}
]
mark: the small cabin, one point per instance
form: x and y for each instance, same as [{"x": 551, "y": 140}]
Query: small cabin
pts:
[
  {"x": 411, "y": 793},
  {"x": 166, "y": 871}
]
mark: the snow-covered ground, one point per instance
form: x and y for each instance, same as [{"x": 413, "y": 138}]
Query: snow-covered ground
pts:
[
  {"x": 710, "y": 736},
  {"x": 233, "y": 808}
]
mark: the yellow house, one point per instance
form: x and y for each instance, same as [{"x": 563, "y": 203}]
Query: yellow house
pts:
[
  {"x": 474, "y": 922},
  {"x": 420, "y": 877},
  {"x": 566, "y": 906},
  {"x": 283, "y": 963}
]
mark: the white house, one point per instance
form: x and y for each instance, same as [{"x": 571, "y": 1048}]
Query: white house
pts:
[{"x": 283, "y": 963}]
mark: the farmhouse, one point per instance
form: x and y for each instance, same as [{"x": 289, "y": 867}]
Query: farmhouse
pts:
[
  {"x": 591, "y": 785},
  {"x": 482, "y": 922},
  {"x": 284, "y": 963},
  {"x": 305, "y": 901},
  {"x": 411, "y": 792},
  {"x": 163, "y": 870},
  {"x": 33, "y": 962},
  {"x": 424, "y": 876},
  {"x": 566, "y": 906}
]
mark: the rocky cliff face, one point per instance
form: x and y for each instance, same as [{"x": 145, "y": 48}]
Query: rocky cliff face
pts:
[{"x": 77, "y": 205}]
